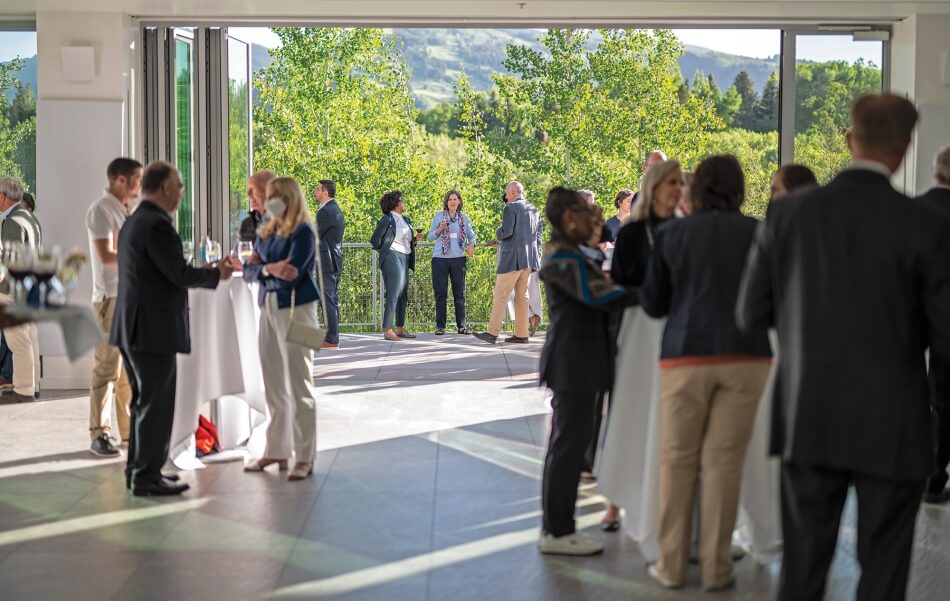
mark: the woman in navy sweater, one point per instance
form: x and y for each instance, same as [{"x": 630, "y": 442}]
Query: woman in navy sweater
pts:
[{"x": 283, "y": 264}]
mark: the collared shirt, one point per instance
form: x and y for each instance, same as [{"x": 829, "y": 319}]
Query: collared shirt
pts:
[
  {"x": 6, "y": 213},
  {"x": 104, "y": 219},
  {"x": 868, "y": 165},
  {"x": 454, "y": 251},
  {"x": 402, "y": 243}
]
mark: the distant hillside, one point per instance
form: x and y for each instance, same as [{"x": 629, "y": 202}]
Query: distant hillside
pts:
[
  {"x": 27, "y": 75},
  {"x": 437, "y": 56}
]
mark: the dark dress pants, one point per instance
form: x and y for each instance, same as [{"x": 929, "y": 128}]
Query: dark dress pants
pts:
[
  {"x": 940, "y": 404},
  {"x": 590, "y": 456},
  {"x": 331, "y": 283},
  {"x": 152, "y": 377},
  {"x": 444, "y": 270},
  {"x": 812, "y": 501},
  {"x": 572, "y": 426}
]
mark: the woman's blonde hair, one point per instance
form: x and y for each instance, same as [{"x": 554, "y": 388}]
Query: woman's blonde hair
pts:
[
  {"x": 654, "y": 176},
  {"x": 288, "y": 190}
]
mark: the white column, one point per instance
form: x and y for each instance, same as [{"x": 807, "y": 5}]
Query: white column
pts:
[
  {"x": 919, "y": 69},
  {"x": 80, "y": 127}
]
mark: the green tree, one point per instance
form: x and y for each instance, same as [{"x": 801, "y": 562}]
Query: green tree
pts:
[
  {"x": 766, "y": 114},
  {"x": 17, "y": 126},
  {"x": 746, "y": 116},
  {"x": 758, "y": 154}
]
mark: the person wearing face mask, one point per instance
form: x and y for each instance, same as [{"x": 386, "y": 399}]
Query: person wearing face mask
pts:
[
  {"x": 577, "y": 362},
  {"x": 394, "y": 241},
  {"x": 660, "y": 193},
  {"x": 283, "y": 263}
]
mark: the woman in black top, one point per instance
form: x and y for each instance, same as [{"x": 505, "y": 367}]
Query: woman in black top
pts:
[
  {"x": 623, "y": 202},
  {"x": 660, "y": 192}
]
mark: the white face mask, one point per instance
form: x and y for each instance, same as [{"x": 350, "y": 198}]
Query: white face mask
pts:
[{"x": 275, "y": 207}]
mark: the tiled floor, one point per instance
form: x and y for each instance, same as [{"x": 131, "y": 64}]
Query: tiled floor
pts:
[{"x": 426, "y": 488}]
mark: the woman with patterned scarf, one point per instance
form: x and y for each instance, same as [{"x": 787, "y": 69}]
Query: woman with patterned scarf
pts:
[{"x": 455, "y": 242}]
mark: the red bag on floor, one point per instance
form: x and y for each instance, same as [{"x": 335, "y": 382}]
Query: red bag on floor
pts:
[{"x": 206, "y": 437}]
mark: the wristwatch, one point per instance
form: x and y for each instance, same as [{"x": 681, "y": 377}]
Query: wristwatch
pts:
[{"x": 264, "y": 272}]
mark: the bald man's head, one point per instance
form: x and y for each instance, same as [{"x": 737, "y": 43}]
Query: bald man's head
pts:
[
  {"x": 257, "y": 187},
  {"x": 513, "y": 191},
  {"x": 656, "y": 156}
]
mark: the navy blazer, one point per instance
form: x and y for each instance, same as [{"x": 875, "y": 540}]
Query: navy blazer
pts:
[
  {"x": 854, "y": 275},
  {"x": 693, "y": 277},
  {"x": 520, "y": 237},
  {"x": 151, "y": 311},
  {"x": 300, "y": 248},
  {"x": 330, "y": 226},
  {"x": 383, "y": 237}
]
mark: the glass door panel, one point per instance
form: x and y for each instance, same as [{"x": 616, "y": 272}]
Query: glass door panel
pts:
[
  {"x": 239, "y": 140},
  {"x": 184, "y": 138}
]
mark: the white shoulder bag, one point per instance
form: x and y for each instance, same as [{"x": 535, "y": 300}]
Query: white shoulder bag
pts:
[{"x": 302, "y": 334}]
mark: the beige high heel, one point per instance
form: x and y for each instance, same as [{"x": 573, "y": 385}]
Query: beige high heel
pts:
[
  {"x": 301, "y": 470},
  {"x": 258, "y": 465}
]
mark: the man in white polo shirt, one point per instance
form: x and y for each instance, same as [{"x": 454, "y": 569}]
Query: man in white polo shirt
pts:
[{"x": 103, "y": 222}]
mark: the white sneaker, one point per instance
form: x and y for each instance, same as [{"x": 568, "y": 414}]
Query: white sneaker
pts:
[
  {"x": 570, "y": 544},
  {"x": 664, "y": 582}
]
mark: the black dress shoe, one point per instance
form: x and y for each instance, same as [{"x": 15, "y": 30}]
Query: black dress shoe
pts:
[
  {"x": 103, "y": 447},
  {"x": 157, "y": 489},
  {"x": 938, "y": 497},
  {"x": 610, "y": 526},
  {"x": 517, "y": 340},
  {"x": 485, "y": 337}
]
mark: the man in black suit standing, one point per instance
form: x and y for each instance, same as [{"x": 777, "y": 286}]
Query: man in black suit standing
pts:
[
  {"x": 855, "y": 277},
  {"x": 151, "y": 322},
  {"x": 330, "y": 227},
  {"x": 937, "y": 492}
]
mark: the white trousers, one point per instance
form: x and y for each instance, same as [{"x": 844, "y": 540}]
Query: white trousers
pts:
[
  {"x": 287, "y": 371},
  {"x": 25, "y": 345},
  {"x": 534, "y": 297}
]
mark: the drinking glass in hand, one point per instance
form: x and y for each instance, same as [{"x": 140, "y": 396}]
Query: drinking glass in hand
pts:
[
  {"x": 213, "y": 251},
  {"x": 245, "y": 250},
  {"x": 188, "y": 249},
  {"x": 45, "y": 264},
  {"x": 19, "y": 260}
]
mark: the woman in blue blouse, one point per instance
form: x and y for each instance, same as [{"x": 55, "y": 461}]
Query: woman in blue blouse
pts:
[
  {"x": 283, "y": 263},
  {"x": 454, "y": 243}
]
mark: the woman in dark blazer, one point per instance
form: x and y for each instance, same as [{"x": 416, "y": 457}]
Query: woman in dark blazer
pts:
[
  {"x": 396, "y": 244},
  {"x": 712, "y": 373}
]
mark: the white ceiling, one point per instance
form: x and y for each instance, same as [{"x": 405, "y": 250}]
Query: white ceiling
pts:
[{"x": 492, "y": 12}]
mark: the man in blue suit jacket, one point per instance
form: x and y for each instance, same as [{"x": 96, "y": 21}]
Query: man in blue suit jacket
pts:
[
  {"x": 330, "y": 227},
  {"x": 519, "y": 254}
]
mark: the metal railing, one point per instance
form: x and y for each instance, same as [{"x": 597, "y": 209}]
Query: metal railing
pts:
[{"x": 361, "y": 290}]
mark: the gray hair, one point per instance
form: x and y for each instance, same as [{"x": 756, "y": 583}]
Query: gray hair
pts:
[
  {"x": 12, "y": 188},
  {"x": 588, "y": 194},
  {"x": 942, "y": 166},
  {"x": 517, "y": 186},
  {"x": 656, "y": 174}
]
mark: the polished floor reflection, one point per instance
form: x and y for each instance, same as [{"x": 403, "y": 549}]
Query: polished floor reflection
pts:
[{"x": 426, "y": 487}]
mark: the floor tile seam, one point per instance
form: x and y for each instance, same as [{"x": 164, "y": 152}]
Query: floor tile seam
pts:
[{"x": 435, "y": 500}]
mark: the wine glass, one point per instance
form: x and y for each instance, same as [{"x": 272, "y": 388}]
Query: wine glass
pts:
[
  {"x": 213, "y": 251},
  {"x": 19, "y": 259},
  {"x": 245, "y": 250},
  {"x": 45, "y": 264},
  {"x": 188, "y": 249}
]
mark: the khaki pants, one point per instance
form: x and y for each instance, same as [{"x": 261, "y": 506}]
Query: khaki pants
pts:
[
  {"x": 287, "y": 371},
  {"x": 706, "y": 418},
  {"x": 108, "y": 371},
  {"x": 25, "y": 345},
  {"x": 504, "y": 284}
]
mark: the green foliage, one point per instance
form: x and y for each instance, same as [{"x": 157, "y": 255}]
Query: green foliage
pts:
[
  {"x": 17, "y": 126},
  {"x": 758, "y": 154}
]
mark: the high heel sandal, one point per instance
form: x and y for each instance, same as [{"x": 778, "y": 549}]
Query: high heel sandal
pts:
[
  {"x": 258, "y": 465},
  {"x": 301, "y": 470}
]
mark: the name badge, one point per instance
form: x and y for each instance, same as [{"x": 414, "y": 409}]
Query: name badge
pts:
[{"x": 454, "y": 235}]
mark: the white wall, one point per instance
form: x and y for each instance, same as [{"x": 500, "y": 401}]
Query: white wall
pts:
[{"x": 79, "y": 129}]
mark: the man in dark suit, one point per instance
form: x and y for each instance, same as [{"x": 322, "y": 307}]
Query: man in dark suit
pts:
[
  {"x": 151, "y": 322},
  {"x": 854, "y": 275},
  {"x": 256, "y": 190},
  {"x": 330, "y": 226},
  {"x": 937, "y": 492}
]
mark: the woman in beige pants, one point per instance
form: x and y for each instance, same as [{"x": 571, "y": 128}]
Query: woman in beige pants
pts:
[
  {"x": 283, "y": 263},
  {"x": 712, "y": 374}
]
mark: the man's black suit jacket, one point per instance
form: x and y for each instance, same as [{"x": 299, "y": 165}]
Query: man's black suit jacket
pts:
[
  {"x": 151, "y": 314},
  {"x": 938, "y": 198},
  {"x": 855, "y": 277},
  {"x": 330, "y": 227}
]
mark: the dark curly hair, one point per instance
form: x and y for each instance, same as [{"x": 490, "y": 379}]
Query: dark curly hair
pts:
[
  {"x": 718, "y": 183},
  {"x": 390, "y": 201},
  {"x": 560, "y": 199},
  {"x": 620, "y": 196}
]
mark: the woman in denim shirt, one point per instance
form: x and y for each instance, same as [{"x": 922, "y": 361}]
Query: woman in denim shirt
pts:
[
  {"x": 454, "y": 243},
  {"x": 283, "y": 264}
]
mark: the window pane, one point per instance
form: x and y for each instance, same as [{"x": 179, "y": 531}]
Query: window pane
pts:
[
  {"x": 832, "y": 71},
  {"x": 238, "y": 122},
  {"x": 18, "y": 106},
  {"x": 183, "y": 88}
]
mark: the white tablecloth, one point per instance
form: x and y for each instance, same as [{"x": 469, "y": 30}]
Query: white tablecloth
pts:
[
  {"x": 628, "y": 470},
  {"x": 223, "y": 366}
]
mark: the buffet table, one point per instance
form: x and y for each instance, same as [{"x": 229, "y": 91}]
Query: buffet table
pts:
[
  {"x": 223, "y": 369},
  {"x": 628, "y": 469}
]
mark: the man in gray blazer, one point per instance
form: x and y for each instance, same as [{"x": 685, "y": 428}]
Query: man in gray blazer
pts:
[{"x": 519, "y": 238}]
